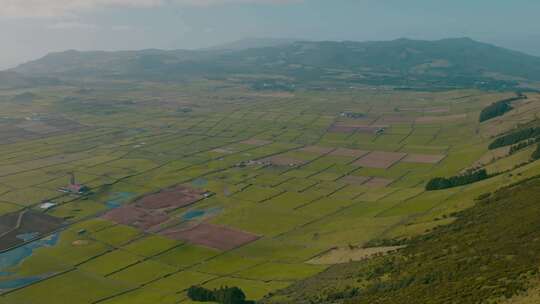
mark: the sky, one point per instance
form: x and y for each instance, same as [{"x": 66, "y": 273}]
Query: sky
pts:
[{"x": 30, "y": 29}]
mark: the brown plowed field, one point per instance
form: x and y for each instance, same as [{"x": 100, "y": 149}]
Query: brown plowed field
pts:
[
  {"x": 424, "y": 158},
  {"x": 378, "y": 182},
  {"x": 213, "y": 236},
  {"x": 256, "y": 142},
  {"x": 136, "y": 217},
  {"x": 316, "y": 149},
  {"x": 379, "y": 159},
  {"x": 170, "y": 199},
  {"x": 355, "y": 180},
  {"x": 348, "y": 152}
]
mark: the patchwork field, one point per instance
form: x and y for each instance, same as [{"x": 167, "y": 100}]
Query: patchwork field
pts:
[{"x": 242, "y": 190}]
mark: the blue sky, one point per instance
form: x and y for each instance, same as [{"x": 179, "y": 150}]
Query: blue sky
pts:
[{"x": 32, "y": 28}]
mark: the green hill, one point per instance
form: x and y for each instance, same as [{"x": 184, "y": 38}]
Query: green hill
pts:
[
  {"x": 10, "y": 80},
  {"x": 488, "y": 254}
]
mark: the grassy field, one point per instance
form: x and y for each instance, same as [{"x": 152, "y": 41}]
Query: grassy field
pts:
[{"x": 270, "y": 167}]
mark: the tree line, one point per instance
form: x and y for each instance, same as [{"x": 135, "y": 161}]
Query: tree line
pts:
[
  {"x": 536, "y": 153},
  {"x": 499, "y": 108},
  {"x": 515, "y": 137},
  {"x": 439, "y": 183},
  {"x": 522, "y": 145},
  {"x": 223, "y": 295}
]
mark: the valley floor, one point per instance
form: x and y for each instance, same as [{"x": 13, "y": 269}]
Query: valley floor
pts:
[{"x": 214, "y": 185}]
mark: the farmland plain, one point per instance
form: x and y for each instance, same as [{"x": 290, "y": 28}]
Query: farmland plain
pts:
[{"x": 279, "y": 180}]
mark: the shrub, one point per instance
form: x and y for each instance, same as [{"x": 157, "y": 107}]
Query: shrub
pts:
[
  {"x": 440, "y": 183},
  {"x": 224, "y": 295}
]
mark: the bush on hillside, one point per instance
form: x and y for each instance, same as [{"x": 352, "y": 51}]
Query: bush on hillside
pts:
[
  {"x": 499, "y": 108},
  {"x": 515, "y": 137},
  {"x": 223, "y": 295},
  {"x": 536, "y": 153},
  {"x": 440, "y": 183}
]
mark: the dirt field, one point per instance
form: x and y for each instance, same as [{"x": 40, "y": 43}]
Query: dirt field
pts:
[
  {"x": 348, "y": 152},
  {"x": 355, "y": 180},
  {"x": 316, "y": 150},
  {"x": 17, "y": 227},
  {"x": 341, "y": 129},
  {"x": 223, "y": 151},
  {"x": 256, "y": 142},
  {"x": 492, "y": 155},
  {"x": 378, "y": 182},
  {"x": 170, "y": 199},
  {"x": 437, "y": 110},
  {"x": 424, "y": 158},
  {"x": 151, "y": 210},
  {"x": 379, "y": 159},
  {"x": 136, "y": 217},
  {"x": 209, "y": 235}
]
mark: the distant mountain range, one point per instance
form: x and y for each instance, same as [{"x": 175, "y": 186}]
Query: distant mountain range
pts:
[
  {"x": 254, "y": 43},
  {"x": 12, "y": 79},
  {"x": 283, "y": 63}
]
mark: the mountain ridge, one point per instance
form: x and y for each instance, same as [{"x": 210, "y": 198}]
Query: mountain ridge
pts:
[{"x": 401, "y": 62}]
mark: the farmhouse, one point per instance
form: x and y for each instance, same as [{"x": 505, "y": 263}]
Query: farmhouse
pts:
[{"x": 73, "y": 187}]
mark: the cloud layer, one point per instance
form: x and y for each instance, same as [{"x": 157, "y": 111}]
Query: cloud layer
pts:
[{"x": 54, "y": 8}]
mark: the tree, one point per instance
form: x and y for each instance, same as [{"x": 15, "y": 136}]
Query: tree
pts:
[
  {"x": 223, "y": 295},
  {"x": 536, "y": 153}
]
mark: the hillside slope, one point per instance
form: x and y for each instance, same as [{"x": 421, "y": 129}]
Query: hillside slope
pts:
[
  {"x": 14, "y": 80},
  {"x": 489, "y": 253}
]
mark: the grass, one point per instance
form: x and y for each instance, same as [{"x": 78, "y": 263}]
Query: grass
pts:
[
  {"x": 180, "y": 281},
  {"x": 228, "y": 264},
  {"x": 62, "y": 290},
  {"x": 72, "y": 249},
  {"x": 116, "y": 235},
  {"x": 143, "y": 272},
  {"x": 280, "y": 272},
  {"x": 256, "y": 194},
  {"x": 143, "y": 296},
  {"x": 151, "y": 245},
  {"x": 186, "y": 255},
  {"x": 110, "y": 262}
]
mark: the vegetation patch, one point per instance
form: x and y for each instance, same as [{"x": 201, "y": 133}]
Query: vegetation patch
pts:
[
  {"x": 223, "y": 295},
  {"x": 515, "y": 137},
  {"x": 440, "y": 183},
  {"x": 483, "y": 256},
  {"x": 499, "y": 108}
]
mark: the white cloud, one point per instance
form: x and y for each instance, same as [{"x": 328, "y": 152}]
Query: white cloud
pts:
[
  {"x": 121, "y": 28},
  {"x": 55, "y": 8},
  {"x": 222, "y": 2},
  {"x": 73, "y": 25}
]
